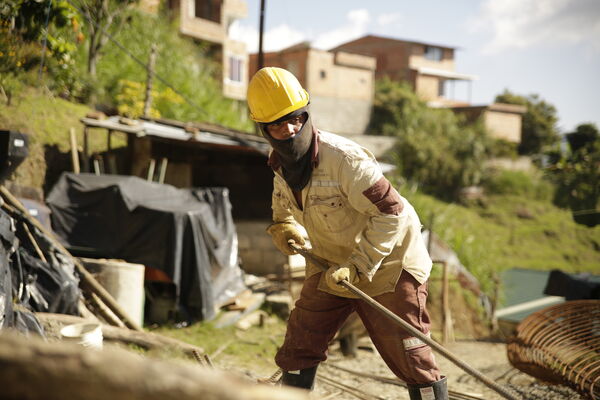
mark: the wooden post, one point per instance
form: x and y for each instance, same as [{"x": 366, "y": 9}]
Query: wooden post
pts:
[
  {"x": 86, "y": 149},
  {"x": 163, "y": 170},
  {"x": 74, "y": 152},
  {"x": 150, "y": 177},
  {"x": 447, "y": 330},
  {"x": 112, "y": 164},
  {"x": 108, "y": 141},
  {"x": 97, "y": 166},
  {"x": 149, "y": 80},
  {"x": 430, "y": 236}
]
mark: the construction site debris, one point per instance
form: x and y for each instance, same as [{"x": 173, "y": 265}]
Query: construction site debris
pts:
[
  {"x": 53, "y": 323},
  {"x": 88, "y": 284},
  {"x": 255, "y": 318},
  {"x": 227, "y": 318}
]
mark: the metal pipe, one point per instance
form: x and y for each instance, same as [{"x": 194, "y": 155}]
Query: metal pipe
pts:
[{"x": 407, "y": 327}]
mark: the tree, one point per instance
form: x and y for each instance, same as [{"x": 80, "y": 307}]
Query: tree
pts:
[
  {"x": 435, "y": 147},
  {"x": 102, "y": 17},
  {"x": 36, "y": 34},
  {"x": 539, "y": 122},
  {"x": 577, "y": 175}
]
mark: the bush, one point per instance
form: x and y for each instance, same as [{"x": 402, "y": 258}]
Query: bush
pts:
[
  {"x": 518, "y": 183},
  {"x": 435, "y": 148},
  {"x": 503, "y": 149}
]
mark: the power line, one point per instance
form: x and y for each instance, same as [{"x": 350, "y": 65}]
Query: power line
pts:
[{"x": 140, "y": 62}]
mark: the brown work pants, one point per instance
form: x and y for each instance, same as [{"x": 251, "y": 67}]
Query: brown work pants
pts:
[{"x": 318, "y": 316}]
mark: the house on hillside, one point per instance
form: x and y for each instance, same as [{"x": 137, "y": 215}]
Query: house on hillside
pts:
[
  {"x": 341, "y": 88},
  {"x": 503, "y": 121},
  {"x": 208, "y": 22},
  {"x": 340, "y": 84},
  {"x": 430, "y": 69}
]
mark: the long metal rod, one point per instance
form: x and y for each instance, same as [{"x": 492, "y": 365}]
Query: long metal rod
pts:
[{"x": 406, "y": 326}]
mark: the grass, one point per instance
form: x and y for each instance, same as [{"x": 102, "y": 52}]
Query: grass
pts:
[
  {"x": 46, "y": 120},
  {"x": 253, "y": 349},
  {"x": 509, "y": 231}
]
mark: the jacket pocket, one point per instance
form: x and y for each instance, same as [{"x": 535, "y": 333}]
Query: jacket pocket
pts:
[{"x": 330, "y": 212}]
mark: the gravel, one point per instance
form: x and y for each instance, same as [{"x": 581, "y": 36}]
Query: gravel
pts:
[{"x": 488, "y": 358}]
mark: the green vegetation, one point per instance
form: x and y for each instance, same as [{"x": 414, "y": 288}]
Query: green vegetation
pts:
[
  {"x": 436, "y": 148},
  {"x": 577, "y": 175},
  {"x": 187, "y": 78},
  {"x": 252, "y": 348},
  {"x": 530, "y": 185},
  {"x": 507, "y": 231},
  {"x": 46, "y": 119}
]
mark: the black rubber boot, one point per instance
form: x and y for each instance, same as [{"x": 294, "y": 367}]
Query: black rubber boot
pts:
[
  {"x": 305, "y": 378},
  {"x": 429, "y": 391}
]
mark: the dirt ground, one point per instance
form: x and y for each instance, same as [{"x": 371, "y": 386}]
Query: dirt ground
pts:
[
  {"x": 489, "y": 358},
  {"x": 486, "y": 356}
]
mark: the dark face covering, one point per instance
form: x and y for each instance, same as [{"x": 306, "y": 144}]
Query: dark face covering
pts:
[{"x": 294, "y": 153}]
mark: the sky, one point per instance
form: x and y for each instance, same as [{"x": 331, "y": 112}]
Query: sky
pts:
[{"x": 546, "y": 47}]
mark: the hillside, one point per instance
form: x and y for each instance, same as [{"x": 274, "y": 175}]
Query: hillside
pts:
[{"x": 498, "y": 233}]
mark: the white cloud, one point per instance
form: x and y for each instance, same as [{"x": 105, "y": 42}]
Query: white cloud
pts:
[
  {"x": 356, "y": 26},
  {"x": 388, "y": 19},
  {"x": 274, "y": 39},
  {"x": 283, "y": 36},
  {"x": 524, "y": 23}
]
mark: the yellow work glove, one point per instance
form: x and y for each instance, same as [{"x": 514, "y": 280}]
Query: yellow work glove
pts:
[
  {"x": 281, "y": 232},
  {"x": 338, "y": 273}
]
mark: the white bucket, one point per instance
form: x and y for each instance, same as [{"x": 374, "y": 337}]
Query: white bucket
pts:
[
  {"x": 85, "y": 333},
  {"x": 124, "y": 281}
]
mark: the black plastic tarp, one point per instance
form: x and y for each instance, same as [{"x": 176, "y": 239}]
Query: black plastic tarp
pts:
[
  {"x": 32, "y": 278},
  {"x": 187, "y": 233}
]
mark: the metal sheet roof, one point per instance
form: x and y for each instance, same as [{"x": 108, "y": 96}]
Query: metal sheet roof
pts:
[{"x": 180, "y": 132}]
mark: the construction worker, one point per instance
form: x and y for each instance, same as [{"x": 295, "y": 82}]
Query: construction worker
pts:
[{"x": 367, "y": 232}]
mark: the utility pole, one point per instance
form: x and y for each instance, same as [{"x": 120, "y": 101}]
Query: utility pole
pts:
[
  {"x": 149, "y": 80},
  {"x": 261, "y": 61}
]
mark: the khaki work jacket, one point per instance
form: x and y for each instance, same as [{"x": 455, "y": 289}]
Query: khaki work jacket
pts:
[{"x": 343, "y": 225}]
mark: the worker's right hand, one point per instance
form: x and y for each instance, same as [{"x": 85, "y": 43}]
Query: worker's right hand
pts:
[
  {"x": 281, "y": 233},
  {"x": 337, "y": 273}
]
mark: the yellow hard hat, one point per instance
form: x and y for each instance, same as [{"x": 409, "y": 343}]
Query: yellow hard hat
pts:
[{"x": 274, "y": 92}]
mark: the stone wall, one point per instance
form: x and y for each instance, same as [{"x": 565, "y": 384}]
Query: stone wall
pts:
[{"x": 256, "y": 249}]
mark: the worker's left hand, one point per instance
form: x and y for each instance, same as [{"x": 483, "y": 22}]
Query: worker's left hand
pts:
[{"x": 338, "y": 273}]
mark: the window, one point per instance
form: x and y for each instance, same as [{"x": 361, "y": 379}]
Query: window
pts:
[
  {"x": 323, "y": 74},
  {"x": 235, "y": 69},
  {"x": 208, "y": 9},
  {"x": 433, "y": 53},
  {"x": 441, "y": 88}
]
